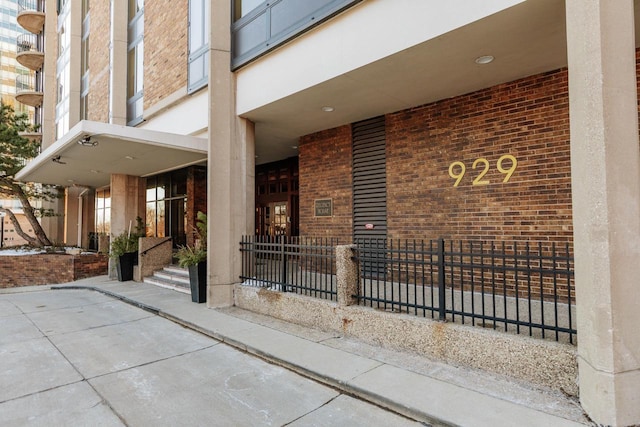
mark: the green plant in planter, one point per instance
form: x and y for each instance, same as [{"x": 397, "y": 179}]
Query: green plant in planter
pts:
[
  {"x": 126, "y": 241},
  {"x": 192, "y": 255},
  {"x": 194, "y": 258},
  {"x": 124, "y": 249}
]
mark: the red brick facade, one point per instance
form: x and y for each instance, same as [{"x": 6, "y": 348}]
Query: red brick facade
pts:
[
  {"x": 527, "y": 119},
  {"x": 325, "y": 173},
  {"x": 46, "y": 269}
]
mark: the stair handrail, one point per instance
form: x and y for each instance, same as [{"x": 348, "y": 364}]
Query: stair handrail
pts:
[{"x": 168, "y": 239}]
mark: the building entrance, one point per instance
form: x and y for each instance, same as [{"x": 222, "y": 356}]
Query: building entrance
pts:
[
  {"x": 166, "y": 206},
  {"x": 277, "y": 198}
]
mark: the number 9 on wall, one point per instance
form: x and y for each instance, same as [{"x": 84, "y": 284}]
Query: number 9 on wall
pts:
[{"x": 506, "y": 165}]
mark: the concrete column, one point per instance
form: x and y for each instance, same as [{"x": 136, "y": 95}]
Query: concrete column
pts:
[
  {"x": 605, "y": 170},
  {"x": 231, "y": 174},
  {"x": 71, "y": 219},
  {"x": 49, "y": 70},
  {"x": 127, "y": 202},
  {"x": 118, "y": 62},
  {"x": 75, "y": 70}
]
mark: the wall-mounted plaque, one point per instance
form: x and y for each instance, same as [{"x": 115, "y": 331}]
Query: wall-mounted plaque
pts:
[{"x": 323, "y": 207}]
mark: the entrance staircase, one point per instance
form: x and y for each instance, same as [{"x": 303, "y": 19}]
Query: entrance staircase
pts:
[{"x": 171, "y": 277}]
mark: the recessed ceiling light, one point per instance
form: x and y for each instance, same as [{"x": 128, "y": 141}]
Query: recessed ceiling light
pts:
[
  {"x": 129, "y": 157},
  {"x": 71, "y": 181},
  {"x": 485, "y": 59},
  {"x": 327, "y": 109},
  {"x": 295, "y": 147},
  {"x": 94, "y": 171}
]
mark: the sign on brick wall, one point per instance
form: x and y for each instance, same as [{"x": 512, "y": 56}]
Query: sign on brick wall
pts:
[{"x": 323, "y": 207}]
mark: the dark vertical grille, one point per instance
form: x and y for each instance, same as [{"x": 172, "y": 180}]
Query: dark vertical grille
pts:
[{"x": 370, "y": 188}]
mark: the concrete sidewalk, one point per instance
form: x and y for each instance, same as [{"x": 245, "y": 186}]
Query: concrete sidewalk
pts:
[{"x": 418, "y": 388}]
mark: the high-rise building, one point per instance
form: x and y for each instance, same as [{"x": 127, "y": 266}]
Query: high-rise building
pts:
[{"x": 507, "y": 120}]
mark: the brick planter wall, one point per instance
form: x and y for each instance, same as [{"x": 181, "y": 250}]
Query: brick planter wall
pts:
[{"x": 45, "y": 269}]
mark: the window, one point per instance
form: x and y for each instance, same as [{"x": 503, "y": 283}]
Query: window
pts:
[
  {"x": 135, "y": 62},
  {"x": 243, "y": 7},
  {"x": 198, "y": 44},
  {"x": 103, "y": 211}
]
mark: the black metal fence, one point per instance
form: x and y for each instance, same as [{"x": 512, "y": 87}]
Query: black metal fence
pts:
[
  {"x": 518, "y": 286},
  {"x": 301, "y": 265}
]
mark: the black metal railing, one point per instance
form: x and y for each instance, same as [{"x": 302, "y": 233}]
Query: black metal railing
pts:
[
  {"x": 29, "y": 43},
  {"x": 29, "y": 82},
  {"x": 302, "y": 265},
  {"x": 31, "y": 5},
  {"x": 519, "y": 286}
]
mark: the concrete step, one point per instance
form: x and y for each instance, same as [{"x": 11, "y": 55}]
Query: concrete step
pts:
[{"x": 171, "y": 277}]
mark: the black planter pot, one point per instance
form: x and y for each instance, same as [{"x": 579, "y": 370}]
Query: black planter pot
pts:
[
  {"x": 125, "y": 265},
  {"x": 198, "y": 281}
]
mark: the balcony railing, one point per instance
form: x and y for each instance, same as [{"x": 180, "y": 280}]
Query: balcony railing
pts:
[
  {"x": 35, "y": 120},
  {"x": 29, "y": 43},
  {"x": 30, "y": 51},
  {"x": 31, "y": 5},
  {"x": 29, "y": 89},
  {"x": 31, "y": 15}
]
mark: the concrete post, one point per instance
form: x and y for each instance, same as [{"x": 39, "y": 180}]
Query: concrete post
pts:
[
  {"x": 231, "y": 168},
  {"x": 75, "y": 68},
  {"x": 50, "y": 99},
  {"x": 118, "y": 62},
  {"x": 605, "y": 171},
  {"x": 348, "y": 275}
]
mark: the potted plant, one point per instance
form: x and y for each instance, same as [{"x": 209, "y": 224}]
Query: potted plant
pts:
[
  {"x": 195, "y": 259},
  {"x": 124, "y": 249}
]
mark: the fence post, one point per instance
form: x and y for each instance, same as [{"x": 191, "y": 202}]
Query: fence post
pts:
[
  {"x": 347, "y": 275},
  {"x": 442, "y": 308},
  {"x": 283, "y": 252}
]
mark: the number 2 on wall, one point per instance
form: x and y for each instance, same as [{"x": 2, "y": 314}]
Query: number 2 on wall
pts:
[{"x": 457, "y": 169}]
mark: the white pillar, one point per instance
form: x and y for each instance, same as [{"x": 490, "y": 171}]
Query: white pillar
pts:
[
  {"x": 118, "y": 62},
  {"x": 605, "y": 169},
  {"x": 231, "y": 166}
]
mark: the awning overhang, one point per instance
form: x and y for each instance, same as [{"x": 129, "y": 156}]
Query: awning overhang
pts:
[{"x": 90, "y": 152}]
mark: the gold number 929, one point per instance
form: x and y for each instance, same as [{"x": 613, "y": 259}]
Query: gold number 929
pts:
[{"x": 457, "y": 169}]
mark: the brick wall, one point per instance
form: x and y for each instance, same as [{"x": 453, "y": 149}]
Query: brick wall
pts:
[
  {"x": 99, "y": 41},
  {"x": 325, "y": 173},
  {"x": 45, "y": 269},
  {"x": 527, "y": 119},
  {"x": 165, "y": 48}
]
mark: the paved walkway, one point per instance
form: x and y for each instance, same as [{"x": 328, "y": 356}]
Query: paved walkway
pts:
[{"x": 409, "y": 385}]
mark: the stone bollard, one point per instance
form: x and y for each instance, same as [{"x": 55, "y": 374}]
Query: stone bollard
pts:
[{"x": 348, "y": 275}]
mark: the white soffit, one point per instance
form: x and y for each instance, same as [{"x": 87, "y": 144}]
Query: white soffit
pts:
[{"x": 119, "y": 150}]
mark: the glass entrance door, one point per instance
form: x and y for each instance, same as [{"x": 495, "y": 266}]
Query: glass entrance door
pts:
[
  {"x": 273, "y": 219},
  {"x": 167, "y": 206}
]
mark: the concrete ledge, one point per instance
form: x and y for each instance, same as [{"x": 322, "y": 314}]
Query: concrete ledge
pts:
[{"x": 541, "y": 362}]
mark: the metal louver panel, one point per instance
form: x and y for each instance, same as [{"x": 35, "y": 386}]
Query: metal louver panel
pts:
[{"x": 369, "y": 179}]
